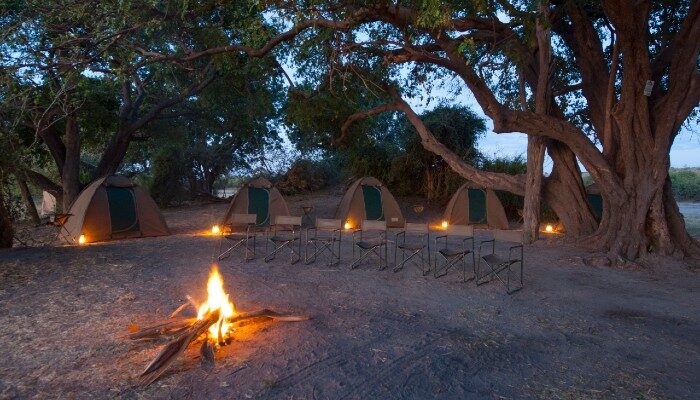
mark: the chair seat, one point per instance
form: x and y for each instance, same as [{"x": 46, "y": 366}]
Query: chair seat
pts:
[
  {"x": 323, "y": 239},
  {"x": 453, "y": 252},
  {"x": 238, "y": 236},
  {"x": 281, "y": 239},
  {"x": 493, "y": 259},
  {"x": 370, "y": 243},
  {"x": 411, "y": 246}
]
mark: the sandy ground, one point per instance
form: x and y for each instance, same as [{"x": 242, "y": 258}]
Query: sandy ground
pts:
[{"x": 575, "y": 331}]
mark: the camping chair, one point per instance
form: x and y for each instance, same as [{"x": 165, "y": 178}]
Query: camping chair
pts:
[
  {"x": 372, "y": 239},
  {"x": 454, "y": 247},
  {"x": 241, "y": 238},
  {"x": 418, "y": 244},
  {"x": 59, "y": 221},
  {"x": 330, "y": 231},
  {"x": 283, "y": 233},
  {"x": 497, "y": 264}
]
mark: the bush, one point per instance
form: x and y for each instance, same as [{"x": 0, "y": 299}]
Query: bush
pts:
[
  {"x": 308, "y": 176},
  {"x": 167, "y": 184},
  {"x": 686, "y": 184}
]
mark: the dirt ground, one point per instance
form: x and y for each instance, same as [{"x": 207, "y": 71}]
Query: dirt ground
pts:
[{"x": 575, "y": 331}]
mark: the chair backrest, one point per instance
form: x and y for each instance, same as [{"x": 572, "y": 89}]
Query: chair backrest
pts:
[
  {"x": 460, "y": 230},
  {"x": 328, "y": 224},
  {"x": 512, "y": 236},
  {"x": 416, "y": 228},
  {"x": 373, "y": 225},
  {"x": 287, "y": 220},
  {"x": 243, "y": 219}
]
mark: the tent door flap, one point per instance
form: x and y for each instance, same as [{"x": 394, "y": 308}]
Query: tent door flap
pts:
[{"x": 122, "y": 210}]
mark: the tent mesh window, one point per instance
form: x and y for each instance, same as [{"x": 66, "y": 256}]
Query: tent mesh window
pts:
[
  {"x": 596, "y": 202},
  {"x": 477, "y": 206},
  {"x": 373, "y": 203},
  {"x": 122, "y": 210},
  {"x": 259, "y": 204}
]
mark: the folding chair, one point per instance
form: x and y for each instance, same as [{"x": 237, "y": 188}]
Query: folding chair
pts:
[
  {"x": 239, "y": 238},
  {"x": 59, "y": 221},
  {"x": 327, "y": 233},
  {"x": 417, "y": 245},
  {"x": 372, "y": 239},
  {"x": 454, "y": 247},
  {"x": 284, "y": 232},
  {"x": 497, "y": 264}
]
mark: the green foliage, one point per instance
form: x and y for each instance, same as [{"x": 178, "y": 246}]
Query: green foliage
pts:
[
  {"x": 168, "y": 176},
  {"x": 686, "y": 184},
  {"x": 309, "y": 175}
]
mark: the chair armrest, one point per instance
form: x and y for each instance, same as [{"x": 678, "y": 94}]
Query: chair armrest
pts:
[
  {"x": 483, "y": 242},
  {"x": 510, "y": 253},
  {"x": 470, "y": 238}
]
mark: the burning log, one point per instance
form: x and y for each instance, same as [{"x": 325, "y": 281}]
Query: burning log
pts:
[{"x": 216, "y": 318}]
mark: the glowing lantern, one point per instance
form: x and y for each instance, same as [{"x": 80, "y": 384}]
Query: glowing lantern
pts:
[
  {"x": 215, "y": 229},
  {"x": 549, "y": 228},
  {"x": 81, "y": 239},
  {"x": 348, "y": 225},
  {"x": 444, "y": 224}
]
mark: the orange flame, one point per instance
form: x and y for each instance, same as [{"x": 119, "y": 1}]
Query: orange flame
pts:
[
  {"x": 217, "y": 299},
  {"x": 82, "y": 239},
  {"x": 549, "y": 228},
  {"x": 215, "y": 230}
]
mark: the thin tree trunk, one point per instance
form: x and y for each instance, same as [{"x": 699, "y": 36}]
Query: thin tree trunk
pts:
[
  {"x": 6, "y": 229},
  {"x": 533, "y": 188},
  {"x": 29, "y": 202},
  {"x": 536, "y": 145},
  {"x": 70, "y": 178}
]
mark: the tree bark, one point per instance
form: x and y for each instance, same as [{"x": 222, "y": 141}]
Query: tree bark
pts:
[
  {"x": 6, "y": 229},
  {"x": 565, "y": 193},
  {"x": 533, "y": 188},
  {"x": 29, "y": 202},
  {"x": 70, "y": 178}
]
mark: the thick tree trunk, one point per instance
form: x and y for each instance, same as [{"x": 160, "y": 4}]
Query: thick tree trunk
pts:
[
  {"x": 29, "y": 202},
  {"x": 6, "y": 230},
  {"x": 70, "y": 178}
]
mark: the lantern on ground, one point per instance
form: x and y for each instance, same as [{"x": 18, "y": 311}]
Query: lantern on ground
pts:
[
  {"x": 82, "y": 239},
  {"x": 444, "y": 224},
  {"x": 215, "y": 230},
  {"x": 347, "y": 225},
  {"x": 549, "y": 228}
]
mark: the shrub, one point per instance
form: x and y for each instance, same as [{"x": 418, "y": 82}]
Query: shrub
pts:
[
  {"x": 167, "y": 184},
  {"x": 308, "y": 176},
  {"x": 686, "y": 184}
]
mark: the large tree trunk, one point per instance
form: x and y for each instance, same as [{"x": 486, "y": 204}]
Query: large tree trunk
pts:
[
  {"x": 639, "y": 212},
  {"x": 70, "y": 178},
  {"x": 6, "y": 230},
  {"x": 29, "y": 202}
]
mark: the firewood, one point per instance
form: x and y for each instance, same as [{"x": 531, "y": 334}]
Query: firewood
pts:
[
  {"x": 179, "y": 310},
  {"x": 170, "y": 327},
  {"x": 207, "y": 353},
  {"x": 173, "y": 349},
  {"x": 267, "y": 313}
]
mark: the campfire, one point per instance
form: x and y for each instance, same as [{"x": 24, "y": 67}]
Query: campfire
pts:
[{"x": 213, "y": 327}]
